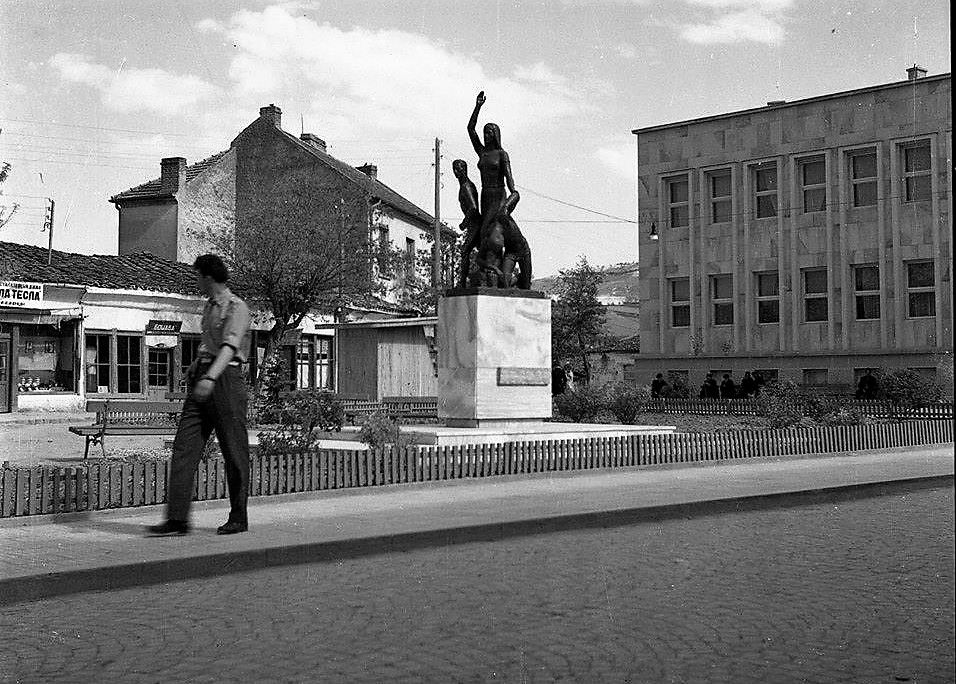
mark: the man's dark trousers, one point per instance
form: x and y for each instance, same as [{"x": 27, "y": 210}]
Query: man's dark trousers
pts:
[{"x": 224, "y": 412}]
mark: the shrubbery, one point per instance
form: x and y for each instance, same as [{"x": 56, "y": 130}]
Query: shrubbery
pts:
[
  {"x": 783, "y": 405},
  {"x": 907, "y": 389},
  {"x": 298, "y": 415},
  {"x": 582, "y": 404},
  {"x": 627, "y": 402},
  {"x": 380, "y": 430}
]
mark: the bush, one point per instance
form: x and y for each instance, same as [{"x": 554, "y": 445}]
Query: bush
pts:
[
  {"x": 907, "y": 389},
  {"x": 582, "y": 404},
  {"x": 379, "y": 430},
  {"x": 627, "y": 402},
  {"x": 298, "y": 415},
  {"x": 677, "y": 386},
  {"x": 844, "y": 415}
]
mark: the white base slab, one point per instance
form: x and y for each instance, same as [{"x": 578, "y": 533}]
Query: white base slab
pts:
[{"x": 530, "y": 431}]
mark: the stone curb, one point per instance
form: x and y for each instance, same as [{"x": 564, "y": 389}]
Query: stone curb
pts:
[{"x": 38, "y": 587}]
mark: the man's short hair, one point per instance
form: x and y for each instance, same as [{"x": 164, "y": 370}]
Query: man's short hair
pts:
[{"x": 211, "y": 265}]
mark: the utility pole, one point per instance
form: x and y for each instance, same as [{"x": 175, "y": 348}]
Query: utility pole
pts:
[
  {"x": 48, "y": 225},
  {"x": 436, "y": 257}
]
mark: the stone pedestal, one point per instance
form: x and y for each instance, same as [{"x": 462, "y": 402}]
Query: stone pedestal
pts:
[{"x": 494, "y": 357}]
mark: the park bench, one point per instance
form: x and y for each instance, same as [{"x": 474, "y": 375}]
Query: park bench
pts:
[
  {"x": 128, "y": 417},
  {"x": 411, "y": 408}
]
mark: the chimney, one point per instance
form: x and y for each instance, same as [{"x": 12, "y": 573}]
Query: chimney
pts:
[
  {"x": 272, "y": 114},
  {"x": 915, "y": 72},
  {"x": 369, "y": 170},
  {"x": 314, "y": 140},
  {"x": 173, "y": 174}
]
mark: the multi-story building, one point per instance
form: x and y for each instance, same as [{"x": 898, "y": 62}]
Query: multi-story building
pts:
[
  {"x": 173, "y": 216},
  {"x": 810, "y": 239}
]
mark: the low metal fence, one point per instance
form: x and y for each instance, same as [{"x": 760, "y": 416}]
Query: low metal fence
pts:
[{"x": 40, "y": 490}]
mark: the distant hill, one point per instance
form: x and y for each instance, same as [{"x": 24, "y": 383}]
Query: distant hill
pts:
[{"x": 619, "y": 286}]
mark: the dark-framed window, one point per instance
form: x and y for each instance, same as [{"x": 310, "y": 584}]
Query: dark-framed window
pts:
[
  {"x": 768, "y": 297},
  {"x": 129, "y": 364},
  {"x": 678, "y": 201},
  {"x": 917, "y": 172},
  {"x": 866, "y": 281},
  {"x": 722, "y": 298},
  {"x": 863, "y": 177},
  {"x": 98, "y": 362},
  {"x": 765, "y": 190},
  {"x": 680, "y": 302},
  {"x": 816, "y": 306},
  {"x": 189, "y": 352},
  {"x": 314, "y": 363},
  {"x": 921, "y": 289},
  {"x": 721, "y": 202},
  {"x": 813, "y": 180}
]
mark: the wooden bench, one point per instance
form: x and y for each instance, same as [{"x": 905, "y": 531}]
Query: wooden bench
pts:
[
  {"x": 411, "y": 408},
  {"x": 128, "y": 417}
]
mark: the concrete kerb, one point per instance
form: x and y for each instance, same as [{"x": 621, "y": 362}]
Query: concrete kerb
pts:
[{"x": 118, "y": 576}]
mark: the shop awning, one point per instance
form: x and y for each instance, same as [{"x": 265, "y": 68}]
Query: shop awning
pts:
[{"x": 39, "y": 316}]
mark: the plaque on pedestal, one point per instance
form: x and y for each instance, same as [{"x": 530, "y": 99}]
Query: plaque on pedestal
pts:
[{"x": 494, "y": 359}]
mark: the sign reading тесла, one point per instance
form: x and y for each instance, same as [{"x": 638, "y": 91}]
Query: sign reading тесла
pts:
[{"x": 19, "y": 295}]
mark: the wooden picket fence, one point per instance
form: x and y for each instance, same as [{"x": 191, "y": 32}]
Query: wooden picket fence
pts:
[
  {"x": 32, "y": 491},
  {"x": 750, "y": 407}
]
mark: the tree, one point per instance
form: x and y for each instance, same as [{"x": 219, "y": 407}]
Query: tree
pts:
[
  {"x": 302, "y": 250},
  {"x": 7, "y": 211},
  {"x": 419, "y": 292},
  {"x": 577, "y": 320}
]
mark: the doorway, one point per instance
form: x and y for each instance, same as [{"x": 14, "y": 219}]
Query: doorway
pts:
[
  {"x": 6, "y": 388},
  {"x": 159, "y": 372}
]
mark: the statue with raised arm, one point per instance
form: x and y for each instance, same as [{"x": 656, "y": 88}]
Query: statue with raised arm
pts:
[
  {"x": 471, "y": 225},
  {"x": 498, "y": 199}
]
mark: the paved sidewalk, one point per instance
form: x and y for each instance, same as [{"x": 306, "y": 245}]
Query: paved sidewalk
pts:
[{"x": 43, "y": 556}]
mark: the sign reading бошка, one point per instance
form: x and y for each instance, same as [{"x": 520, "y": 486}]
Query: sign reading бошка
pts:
[{"x": 17, "y": 295}]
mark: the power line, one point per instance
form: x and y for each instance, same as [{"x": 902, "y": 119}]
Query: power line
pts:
[{"x": 577, "y": 206}]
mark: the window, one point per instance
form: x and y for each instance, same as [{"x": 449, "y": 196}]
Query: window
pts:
[
  {"x": 765, "y": 190},
  {"x": 630, "y": 375},
  {"x": 768, "y": 298},
  {"x": 97, "y": 363},
  {"x": 46, "y": 355},
  {"x": 323, "y": 362},
  {"x": 917, "y": 174},
  {"x": 815, "y": 295},
  {"x": 721, "y": 205},
  {"x": 409, "y": 253},
  {"x": 921, "y": 286},
  {"x": 128, "y": 364},
  {"x": 722, "y": 294},
  {"x": 190, "y": 351},
  {"x": 680, "y": 303},
  {"x": 867, "y": 285},
  {"x": 384, "y": 240},
  {"x": 813, "y": 177},
  {"x": 863, "y": 178},
  {"x": 314, "y": 362},
  {"x": 678, "y": 196},
  {"x": 157, "y": 368},
  {"x": 814, "y": 376}
]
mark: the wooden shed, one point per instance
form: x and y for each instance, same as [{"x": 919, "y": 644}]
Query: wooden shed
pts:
[{"x": 387, "y": 358}]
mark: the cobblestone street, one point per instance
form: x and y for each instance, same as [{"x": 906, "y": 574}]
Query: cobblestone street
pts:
[{"x": 853, "y": 591}]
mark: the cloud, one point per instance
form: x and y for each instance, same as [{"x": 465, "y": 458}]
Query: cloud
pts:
[
  {"x": 135, "y": 90},
  {"x": 620, "y": 159},
  {"x": 734, "y": 28},
  {"x": 389, "y": 81},
  {"x": 735, "y": 21}
]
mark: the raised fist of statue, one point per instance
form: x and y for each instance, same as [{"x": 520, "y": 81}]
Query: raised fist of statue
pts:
[{"x": 480, "y": 100}]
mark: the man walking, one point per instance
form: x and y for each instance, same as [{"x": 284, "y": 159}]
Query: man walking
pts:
[{"x": 217, "y": 401}]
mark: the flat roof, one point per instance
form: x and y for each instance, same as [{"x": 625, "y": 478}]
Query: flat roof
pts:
[{"x": 781, "y": 104}]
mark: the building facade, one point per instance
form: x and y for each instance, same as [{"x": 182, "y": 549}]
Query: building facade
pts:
[
  {"x": 810, "y": 240},
  {"x": 264, "y": 169}
]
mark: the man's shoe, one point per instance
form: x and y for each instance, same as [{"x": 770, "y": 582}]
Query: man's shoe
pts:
[
  {"x": 232, "y": 527},
  {"x": 168, "y": 528}
]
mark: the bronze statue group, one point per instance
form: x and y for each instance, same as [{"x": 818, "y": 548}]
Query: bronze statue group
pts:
[{"x": 488, "y": 225}]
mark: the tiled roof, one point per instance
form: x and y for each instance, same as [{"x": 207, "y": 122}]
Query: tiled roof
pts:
[
  {"x": 153, "y": 188},
  {"x": 127, "y": 272},
  {"x": 376, "y": 188}
]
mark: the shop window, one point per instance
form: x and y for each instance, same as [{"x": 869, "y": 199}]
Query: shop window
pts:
[
  {"x": 921, "y": 289},
  {"x": 867, "y": 285},
  {"x": 97, "y": 363},
  {"x": 678, "y": 196},
  {"x": 813, "y": 177},
  {"x": 765, "y": 190},
  {"x": 189, "y": 352},
  {"x": 917, "y": 172},
  {"x": 46, "y": 357},
  {"x": 863, "y": 178},
  {"x": 816, "y": 306},
  {"x": 721, "y": 294},
  {"x": 721, "y": 204},
  {"x": 680, "y": 302},
  {"x": 129, "y": 364},
  {"x": 768, "y": 297}
]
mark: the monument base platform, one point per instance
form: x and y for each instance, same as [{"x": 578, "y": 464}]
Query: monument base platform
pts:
[{"x": 495, "y": 432}]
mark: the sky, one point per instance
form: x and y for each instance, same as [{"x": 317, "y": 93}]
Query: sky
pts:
[{"x": 93, "y": 94}]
